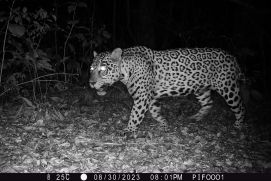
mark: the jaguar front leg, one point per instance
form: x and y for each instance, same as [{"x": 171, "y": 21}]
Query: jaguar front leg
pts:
[
  {"x": 140, "y": 84},
  {"x": 137, "y": 114}
]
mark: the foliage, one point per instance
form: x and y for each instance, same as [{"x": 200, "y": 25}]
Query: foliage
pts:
[
  {"x": 25, "y": 59},
  {"x": 31, "y": 51},
  {"x": 83, "y": 39}
]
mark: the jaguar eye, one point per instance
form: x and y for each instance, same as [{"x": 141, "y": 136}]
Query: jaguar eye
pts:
[
  {"x": 91, "y": 68},
  {"x": 103, "y": 68}
]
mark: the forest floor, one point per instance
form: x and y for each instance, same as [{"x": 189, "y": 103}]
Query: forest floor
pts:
[{"x": 76, "y": 131}]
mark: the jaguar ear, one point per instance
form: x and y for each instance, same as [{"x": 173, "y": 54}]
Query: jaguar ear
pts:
[
  {"x": 116, "y": 54},
  {"x": 95, "y": 53}
]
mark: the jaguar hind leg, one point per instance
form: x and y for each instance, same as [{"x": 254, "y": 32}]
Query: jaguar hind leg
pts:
[
  {"x": 204, "y": 97},
  {"x": 234, "y": 100},
  {"x": 155, "y": 110}
]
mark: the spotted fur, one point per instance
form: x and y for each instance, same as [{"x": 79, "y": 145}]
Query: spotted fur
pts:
[{"x": 150, "y": 74}]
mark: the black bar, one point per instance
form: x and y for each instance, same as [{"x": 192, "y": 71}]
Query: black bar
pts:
[{"x": 136, "y": 176}]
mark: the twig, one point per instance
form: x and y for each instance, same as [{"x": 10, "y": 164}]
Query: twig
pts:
[
  {"x": 4, "y": 41},
  {"x": 66, "y": 41},
  {"x": 30, "y": 81},
  {"x": 92, "y": 27}
]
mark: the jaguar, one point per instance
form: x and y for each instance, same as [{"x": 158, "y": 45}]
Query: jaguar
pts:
[{"x": 150, "y": 74}]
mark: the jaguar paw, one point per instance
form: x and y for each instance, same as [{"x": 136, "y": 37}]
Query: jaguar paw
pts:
[
  {"x": 164, "y": 127},
  {"x": 127, "y": 134},
  {"x": 238, "y": 125}
]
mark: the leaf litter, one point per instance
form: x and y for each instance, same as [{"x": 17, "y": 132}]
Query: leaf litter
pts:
[{"x": 63, "y": 135}]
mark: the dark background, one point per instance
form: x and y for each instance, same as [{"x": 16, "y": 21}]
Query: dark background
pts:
[
  {"x": 241, "y": 27},
  {"x": 238, "y": 26}
]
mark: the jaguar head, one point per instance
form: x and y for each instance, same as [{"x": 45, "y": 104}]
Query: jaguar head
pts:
[{"x": 105, "y": 70}]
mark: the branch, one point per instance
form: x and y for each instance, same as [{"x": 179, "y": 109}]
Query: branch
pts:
[
  {"x": 37, "y": 79},
  {"x": 67, "y": 39},
  {"x": 4, "y": 41}
]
